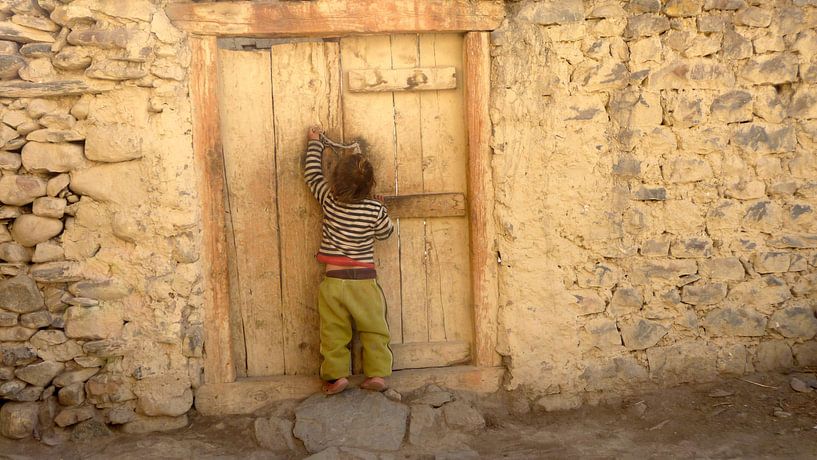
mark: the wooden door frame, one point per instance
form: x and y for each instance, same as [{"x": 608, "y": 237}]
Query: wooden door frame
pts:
[{"x": 206, "y": 22}]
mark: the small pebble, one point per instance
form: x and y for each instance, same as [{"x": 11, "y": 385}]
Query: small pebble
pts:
[
  {"x": 799, "y": 385},
  {"x": 393, "y": 395},
  {"x": 718, "y": 393},
  {"x": 638, "y": 409}
]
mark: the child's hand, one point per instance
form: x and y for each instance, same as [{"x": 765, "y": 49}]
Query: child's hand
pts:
[
  {"x": 314, "y": 132},
  {"x": 380, "y": 198}
]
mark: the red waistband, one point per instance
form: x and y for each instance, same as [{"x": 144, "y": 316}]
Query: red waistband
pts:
[{"x": 341, "y": 261}]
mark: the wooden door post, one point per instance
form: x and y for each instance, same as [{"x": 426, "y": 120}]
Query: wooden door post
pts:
[
  {"x": 481, "y": 198},
  {"x": 209, "y": 160}
]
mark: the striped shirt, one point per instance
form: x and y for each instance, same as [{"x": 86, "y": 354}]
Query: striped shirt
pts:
[{"x": 349, "y": 229}]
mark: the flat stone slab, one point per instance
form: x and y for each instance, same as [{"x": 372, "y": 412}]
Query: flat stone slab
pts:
[{"x": 355, "y": 418}]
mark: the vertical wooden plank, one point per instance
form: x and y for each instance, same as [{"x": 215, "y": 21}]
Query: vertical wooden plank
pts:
[
  {"x": 239, "y": 346},
  {"x": 445, "y": 144},
  {"x": 481, "y": 197},
  {"x": 306, "y": 90},
  {"x": 449, "y": 275},
  {"x": 370, "y": 116},
  {"x": 409, "y": 153},
  {"x": 445, "y": 154},
  {"x": 207, "y": 150},
  {"x": 247, "y": 134}
]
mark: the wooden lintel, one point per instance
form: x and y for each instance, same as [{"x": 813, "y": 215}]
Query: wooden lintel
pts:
[
  {"x": 209, "y": 160},
  {"x": 20, "y": 88},
  {"x": 430, "y": 354},
  {"x": 415, "y": 79},
  {"x": 246, "y": 396},
  {"x": 426, "y": 205},
  {"x": 335, "y": 17},
  {"x": 484, "y": 270}
]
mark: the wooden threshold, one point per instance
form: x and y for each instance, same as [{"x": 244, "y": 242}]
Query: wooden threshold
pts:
[
  {"x": 335, "y": 17},
  {"x": 248, "y": 395}
]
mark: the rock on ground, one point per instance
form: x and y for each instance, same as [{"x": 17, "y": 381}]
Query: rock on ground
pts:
[
  {"x": 274, "y": 433},
  {"x": 347, "y": 453},
  {"x": 355, "y": 418},
  {"x": 18, "y": 419}
]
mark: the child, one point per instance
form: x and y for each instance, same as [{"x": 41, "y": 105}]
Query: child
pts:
[{"x": 352, "y": 220}]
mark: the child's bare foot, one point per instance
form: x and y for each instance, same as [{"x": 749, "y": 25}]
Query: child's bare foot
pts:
[
  {"x": 374, "y": 384},
  {"x": 331, "y": 388}
]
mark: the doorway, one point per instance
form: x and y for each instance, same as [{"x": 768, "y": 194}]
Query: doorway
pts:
[{"x": 403, "y": 95}]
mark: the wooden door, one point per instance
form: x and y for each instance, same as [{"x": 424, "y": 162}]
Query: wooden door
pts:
[{"x": 414, "y": 136}]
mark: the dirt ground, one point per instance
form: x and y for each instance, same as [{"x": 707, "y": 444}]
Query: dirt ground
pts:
[{"x": 727, "y": 419}]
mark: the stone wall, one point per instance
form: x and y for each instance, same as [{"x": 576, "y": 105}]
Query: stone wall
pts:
[
  {"x": 100, "y": 304},
  {"x": 656, "y": 185},
  {"x": 656, "y": 181}
]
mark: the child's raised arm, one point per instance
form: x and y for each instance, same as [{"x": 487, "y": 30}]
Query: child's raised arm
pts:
[
  {"x": 313, "y": 169},
  {"x": 383, "y": 227}
]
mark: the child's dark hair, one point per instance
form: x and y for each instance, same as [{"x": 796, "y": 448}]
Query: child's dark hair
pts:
[{"x": 352, "y": 179}]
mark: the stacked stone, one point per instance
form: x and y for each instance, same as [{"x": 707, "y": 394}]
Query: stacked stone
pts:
[
  {"x": 671, "y": 163},
  {"x": 74, "y": 295},
  {"x": 433, "y": 420}
]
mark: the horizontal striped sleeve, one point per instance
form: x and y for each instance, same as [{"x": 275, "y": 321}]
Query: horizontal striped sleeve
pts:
[
  {"x": 313, "y": 171},
  {"x": 383, "y": 227}
]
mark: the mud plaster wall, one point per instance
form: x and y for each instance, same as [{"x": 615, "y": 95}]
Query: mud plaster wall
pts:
[
  {"x": 655, "y": 192},
  {"x": 100, "y": 305},
  {"x": 656, "y": 183}
]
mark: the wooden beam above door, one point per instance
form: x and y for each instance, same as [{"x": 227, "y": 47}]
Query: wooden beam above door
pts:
[{"x": 335, "y": 17}]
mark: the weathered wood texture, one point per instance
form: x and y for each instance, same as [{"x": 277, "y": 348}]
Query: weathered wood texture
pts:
[
  {"x": 430, "y": 354},
  {"x": 481, "y": 198},
  {"x": 247, "y": 133},
  {"x": 414, "y": 79},
  {"x": 250, "y": 394},
  {"x": 19, "y": 88},
  {"x": 445, "y": 159},
  {"x": 335, "y": 17},
  {"x": 426, "y": 205},
  {"x": 427, "y": 280},
  {"x": 424, "y": 161},
  {"x": 253, "y": 394},
  {"x": 369, "y": 116},
  {"x": 238, "y": 345},
  {"x": 409, "y": 173},
  {"x": 207, "y": 148},
  {"x": 306, "y": 90}
]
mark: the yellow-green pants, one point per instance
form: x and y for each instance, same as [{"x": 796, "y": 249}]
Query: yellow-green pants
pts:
[{"x": 340, "y": 302}]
